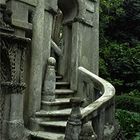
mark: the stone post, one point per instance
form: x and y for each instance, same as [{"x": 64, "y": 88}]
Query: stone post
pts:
[
  {"x": 36, "y": 59},
  {"x": 74, "y": 123},
  {"x": 50, "y": 81}
]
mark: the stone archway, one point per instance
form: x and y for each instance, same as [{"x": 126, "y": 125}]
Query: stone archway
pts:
[{"x": 69, "y": 9}]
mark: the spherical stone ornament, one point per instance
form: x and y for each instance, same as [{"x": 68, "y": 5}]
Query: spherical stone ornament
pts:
[{"x": 51, "y": 61}]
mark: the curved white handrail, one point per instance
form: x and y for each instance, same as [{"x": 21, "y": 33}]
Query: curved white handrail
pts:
[{"x": 105, "y": 87}]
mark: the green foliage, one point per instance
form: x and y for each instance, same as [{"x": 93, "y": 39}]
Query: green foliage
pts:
[
  {"x": 135, "y": 93},
  {"x": 120, "y": 64},
  {"x": 137, "y": 136},
  {"x": 130, "y": 123},
  {"x": 119, "y": 44},
  {"x": 120, "y": 58},
  {"x": 109, "y": 11},
  {"x": 127, "y": 102}
]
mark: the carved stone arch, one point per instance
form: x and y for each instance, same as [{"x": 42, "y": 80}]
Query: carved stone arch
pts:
[{"x": 69, "y": 9}]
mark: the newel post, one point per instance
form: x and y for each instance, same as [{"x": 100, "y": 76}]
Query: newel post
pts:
[
  {"x": 50, "y": 81},
  {"x": 74, "y": 123}
]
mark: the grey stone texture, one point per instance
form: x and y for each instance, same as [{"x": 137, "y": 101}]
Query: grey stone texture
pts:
[
  {"x": 80, "y": 38},
  {"x": 87, "y": 132},
  {"x": 12, "y": 83},
  {"x": 30, "y": 34},
  {"x": 36, "y": 71},
  {"x": 74, "y": 123},
  {"x": 49, "y": 82}
]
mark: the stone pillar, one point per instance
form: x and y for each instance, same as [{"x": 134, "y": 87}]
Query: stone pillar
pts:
[
  {"x": 74, "y": 123},
  {"x": 12, "y": 85},
  {"x": 50, "y": 81},
  {"x": 85, "y": 39},
  {"x": 36, "y": 71}
]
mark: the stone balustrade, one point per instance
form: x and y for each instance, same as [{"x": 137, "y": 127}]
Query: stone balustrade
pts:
[{"x": 100, "y": 111}]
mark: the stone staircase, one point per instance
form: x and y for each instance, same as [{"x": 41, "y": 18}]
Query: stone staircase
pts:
[{"x": 50, "y": 122}]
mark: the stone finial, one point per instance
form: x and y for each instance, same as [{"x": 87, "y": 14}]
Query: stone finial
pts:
[
  {"x": 50, "y": 81},
  {"x": 51, "y": 61},
  {"x": 74, "y": 123}
]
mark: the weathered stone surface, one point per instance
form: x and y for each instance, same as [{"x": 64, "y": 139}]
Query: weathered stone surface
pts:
[
  {"x": 48, "y": 101},
  {"x": 23, "y": 9},
  {"x": 64, "y": 112},
  {"x": 3, "y": 2},
  {"x": 87, "y": 132},
  {"x": 36, "y": 70},
  {"x": 55, "y": 123},
  {"x": 50, "y": 81},
  {"x": 108, "y": 132},
  {"x": 81, "y": 35},
  {"x": 74, "y": 123},
  {"x": 12, "y": 84},
  {"x": 48, "y": 135}
]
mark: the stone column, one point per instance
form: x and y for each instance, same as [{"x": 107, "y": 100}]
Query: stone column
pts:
[
  {"x": 85, "y": 39},
  {"x": 36, "y": 59}
]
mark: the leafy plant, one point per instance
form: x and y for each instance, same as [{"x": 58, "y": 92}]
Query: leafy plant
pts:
[
  {"x": 130, "y": 103},
  {"x": 130, "y": 123}
]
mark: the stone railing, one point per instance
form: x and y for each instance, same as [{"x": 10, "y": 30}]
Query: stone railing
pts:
[{"x": 98, "y": 111}]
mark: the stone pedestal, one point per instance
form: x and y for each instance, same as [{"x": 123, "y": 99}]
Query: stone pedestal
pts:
[{"x": 74, "y": 123}]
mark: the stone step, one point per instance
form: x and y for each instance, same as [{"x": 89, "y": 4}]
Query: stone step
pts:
[
  {"x": 54, "y": 126},
  {"x": 58, "y": 104},
  {"x": 41, "y": 135},
  {"x": 63, "y": 112},
  {"x": 54, "y": 123},
  {"x": 59, "y": 78},
  {"x": 56, "y": 115},
  {"x": 62, "y": 85},
  {"x": 64, "y": 93}
]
